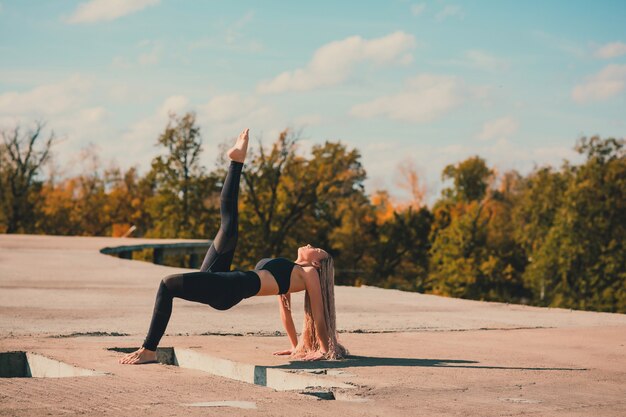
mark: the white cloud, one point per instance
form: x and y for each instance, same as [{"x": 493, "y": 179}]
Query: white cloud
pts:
[
  {"x": 176, "y": 104},
  {"x": 229, "y": 107},
  {"x": 611, "y": 50},
  {"x": 417, "y": 9},
  {"x": 121, "y": 63},
  {"x": 333, "y": 62},
  {"x": 307, "y": 120},
  {"x": 450, "y": 11},
  {"x": 92, "y": 114},
  {"x": 233, "y": 34},
  {"x": 382, "y": 158},
  {"x": 146, "y": 130},
  {"x": 601, "y": 86},
  {"x": 426, "y": 98},
  {"x": 478, "y": 59},
  {"x": 225, "y": 115},
  {"x": 562, "y": 44},
  {"x": 483, "y": 60},
  {"x": 222, "y": 117},
  {"x": 150, "y": 54},
  {"x": 232, "y": 37},
  {"x": 66, "y": 109},
  {"x": 501, "y": 128},
  {"x": 136, "y": 144},
  {"x": 99, "y": 10},
  {"x": 48, "y": 99}
]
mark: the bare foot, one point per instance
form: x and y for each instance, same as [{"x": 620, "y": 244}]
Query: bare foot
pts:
[
  {"x": 142, "y": 355},
  {"x": 238, "y": 152}
]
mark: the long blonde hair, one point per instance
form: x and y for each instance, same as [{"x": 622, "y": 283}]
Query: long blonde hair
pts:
[{"x": 308, "y": 340}]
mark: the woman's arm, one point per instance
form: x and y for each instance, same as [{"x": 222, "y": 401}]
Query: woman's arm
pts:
[
  {"x": 317, "y": 308},
  {"x": 284, "y": 303}
]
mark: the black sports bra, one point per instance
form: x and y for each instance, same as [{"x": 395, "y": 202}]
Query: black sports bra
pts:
[{"x": 281, "y": 270}]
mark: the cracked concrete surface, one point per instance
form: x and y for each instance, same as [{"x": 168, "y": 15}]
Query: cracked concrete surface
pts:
[{"x": 413, "y": 354}]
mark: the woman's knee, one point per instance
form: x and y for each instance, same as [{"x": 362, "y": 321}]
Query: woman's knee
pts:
[
  {"x": 173, "y": 282},
  {"x": 226, "y": 239}
]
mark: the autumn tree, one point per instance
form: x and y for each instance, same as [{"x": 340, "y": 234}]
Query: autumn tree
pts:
[
  {"x": 408, "y": 179},
  {"x": 474, "y": 253},
  {"x": 22, "y": 157},
  {"x": 351, "y": 239},
  {"x": 84, "y": 204},
  {"x": 398, "y": 256},
  {"x": 126, "y": 201},
  {"x": 289, "y": 200},
  {"x": 177, "y": 183}
]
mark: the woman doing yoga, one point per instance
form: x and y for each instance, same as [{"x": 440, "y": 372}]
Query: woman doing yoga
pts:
[{"x": 221, "y": 288}]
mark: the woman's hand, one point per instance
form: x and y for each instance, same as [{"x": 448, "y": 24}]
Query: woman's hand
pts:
[
  {"x": 283, "y": 352},
  {"x": 315, "y": 356}
]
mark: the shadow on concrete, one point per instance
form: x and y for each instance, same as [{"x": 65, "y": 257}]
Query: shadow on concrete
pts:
[{"x": 369, "y": 361}]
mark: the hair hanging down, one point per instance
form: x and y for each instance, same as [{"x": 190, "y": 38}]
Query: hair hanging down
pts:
[{"x": 308, "y": 340}]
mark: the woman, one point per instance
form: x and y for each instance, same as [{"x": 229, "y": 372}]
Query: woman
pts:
[{"x": 217, "y": 286}]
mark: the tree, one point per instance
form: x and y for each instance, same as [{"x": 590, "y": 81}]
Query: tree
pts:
[
  {"x": 127, "y": 196},
  {"x": 409, "y": 180},
  {"x": 22, "y": 158},
  {"x": 506, "y": 276},
  {"x": 351, "y": 240},
  {"x": 78, "y": 205},
  {"x": 582, "y": 259},
  {"x": 474, "y": 253},
  {"x": 533, "y": 216},
  {"x": 289, "y": 200},
  {"x": 399, "y": 252},
  {"x": 470, "y": 179},
  {"x": 178, "y": 183},
  {"x": 459, "y": 251}
]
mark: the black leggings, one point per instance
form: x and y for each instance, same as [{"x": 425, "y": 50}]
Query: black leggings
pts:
[{"x": 215, "y": 284}]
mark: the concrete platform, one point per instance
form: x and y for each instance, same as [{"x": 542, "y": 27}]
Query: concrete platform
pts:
[{"x": 413, "y": 354}]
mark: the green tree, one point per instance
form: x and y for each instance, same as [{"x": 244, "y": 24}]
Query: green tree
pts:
[
  {"x": 22, "y": 158},
  {"x": 351, "y": 239},
  {"x": 399, "y": 251},
  {"x": 289, "y": 200},
  {"x": 474, "y": 253},
  {"x": 582, "y": 260},
  {"x": 176, "y": 185},
  {"x": 506, "y": 277},
  {"x": 458, "y": 253},
  {"x": 533, "y": 216},
  {"x": 470, "y": 179}
]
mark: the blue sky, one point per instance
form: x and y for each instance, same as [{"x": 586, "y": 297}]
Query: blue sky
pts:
[{"x": 424, "y": 82}]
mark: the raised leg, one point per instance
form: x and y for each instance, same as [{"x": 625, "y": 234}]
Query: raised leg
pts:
[{"x": 220, "y": 255}]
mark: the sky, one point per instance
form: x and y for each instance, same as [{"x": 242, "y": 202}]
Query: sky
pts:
[{"x": 427, "y": 83}]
